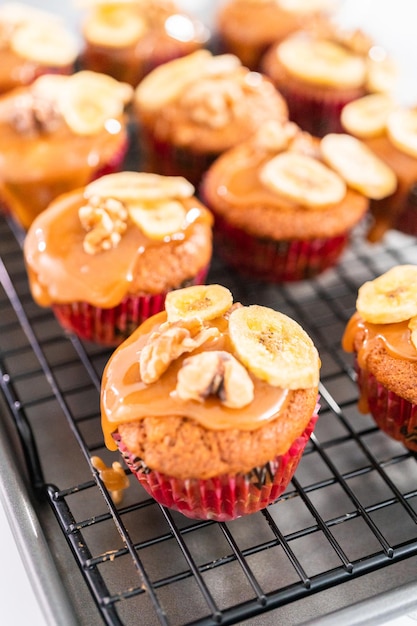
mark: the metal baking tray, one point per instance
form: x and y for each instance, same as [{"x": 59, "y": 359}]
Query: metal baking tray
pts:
[{"x": 345, "y": 530}]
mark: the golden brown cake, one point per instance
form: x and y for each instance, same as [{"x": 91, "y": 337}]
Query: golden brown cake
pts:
[
  {"x": 320, "y": 69},
  {"x": 32, "y": 42},
  {"x": 212, "y": 403},
  {"x": 285, "y": 202},
  {"x": 383, "y": 336},
  {"x": 390, "y": 131},
  {"x": 247, "y": 28},
  {"x": 192, "y": 109},
  {"x": 57, "y": 134},
  {"x": 129, "y": 39},
  {"x": 104, "y": 256}
]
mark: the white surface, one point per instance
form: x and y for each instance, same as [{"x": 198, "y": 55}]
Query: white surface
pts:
[{"x": 394, "y": 24}]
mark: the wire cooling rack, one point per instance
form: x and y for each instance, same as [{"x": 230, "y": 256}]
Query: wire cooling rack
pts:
[{"x": 350, "y": 511}]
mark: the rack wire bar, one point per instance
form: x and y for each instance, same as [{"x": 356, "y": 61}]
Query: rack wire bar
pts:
[{"x": 350, "y": 511}]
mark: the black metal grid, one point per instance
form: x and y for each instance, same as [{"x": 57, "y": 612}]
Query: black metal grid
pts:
[{"x": 350, "y": 510}]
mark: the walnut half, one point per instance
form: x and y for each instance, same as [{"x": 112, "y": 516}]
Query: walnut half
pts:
[
  {"x": 215, "y": 373},
  {"x": 105, "y": 220}
]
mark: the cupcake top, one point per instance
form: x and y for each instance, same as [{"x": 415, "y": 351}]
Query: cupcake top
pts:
[
  {"x": 210, "y": 369},
  {"x": 383, "y": 331},
  {"x": 331, "y": 57},
  {"x": 124, "y": 233},
  {"x": 127, "y": 23},
  {"x": 206, "y": 102},
  {"x": 31, "y": 39},
  {"x": 284, "y": 184},
  {"x": 390, "y": 131},
  {"x": 61, "y": 123}
]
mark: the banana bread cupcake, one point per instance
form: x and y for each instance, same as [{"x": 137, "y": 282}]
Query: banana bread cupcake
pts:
[
  {"x": 56, "y": 135},
  {"x": 390, "y": 131},
  {"x": 320, "y": 69},
  {"x": 209, "y": 414},
  {"x": 130, "y": 38},
  {"x": 32, "y": 42},
  {"x": 247, "y": 28},
  {"x": 192, "y": 109},
  {"x": 104, "y": 256},
  {"x": 383, "y": 336},
  {"x": 285, "y": 203}
]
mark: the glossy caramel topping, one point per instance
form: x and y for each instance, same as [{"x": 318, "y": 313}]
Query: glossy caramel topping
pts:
[
  {"x": 126, "y": 398},
  {"x": 60, "y": 270},
  {"x": 395, "y": 337}
]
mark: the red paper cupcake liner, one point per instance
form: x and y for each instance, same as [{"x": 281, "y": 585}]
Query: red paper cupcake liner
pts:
[
  {"x": 407, "y": 219},
  {"x": 112, "y": 326},
  {"x": 317, "y": 115},
  {"x": 224, "y": 497},
  {"x": 114, "y": 164},
  {"x": 394, "y": 415},
  {"x": 166, "y": 159},
  {"x": 276, "y": 261}
]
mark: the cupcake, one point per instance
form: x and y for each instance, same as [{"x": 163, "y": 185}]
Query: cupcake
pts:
[
  {"x": 319, "y": 70},
  {"x": 192, "y": 109},
  {"x": 58, "y": 134},
  {"x": 247, "y": 28},
  {"x": 383, "y": 336},
  {"x": 390, "y": 131},
  {"x": 103, "y": 257},
  {"x": 209, "y": 414},
  {"x": 128, "y": 39},
  {"x": 32, "y": 42},
  {"x": 285, "y": 203}
]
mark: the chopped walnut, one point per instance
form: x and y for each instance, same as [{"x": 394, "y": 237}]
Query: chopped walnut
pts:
[
  {"x": 213, "y": 101},
  {"x": 105, "y": 220},
  {"x": 215, "y": 373},
  {"x": 168, "y": 343},
  {"x": 276, "y": 136},
  {"x": 33, "y": 115}
]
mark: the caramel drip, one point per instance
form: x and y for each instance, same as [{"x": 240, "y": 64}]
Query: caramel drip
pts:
[
  {"x": 395, "y": 337},
  {"x": 61, "y": 271},
  {"x": 125, "y": 398}
]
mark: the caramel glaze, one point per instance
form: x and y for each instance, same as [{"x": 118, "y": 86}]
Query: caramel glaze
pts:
[
  {"x": 125, "y": 398},
  {"x": 376, "y": 347},
  {"x": 60, "y": 271},
  {"x": 16, "y": 71}
]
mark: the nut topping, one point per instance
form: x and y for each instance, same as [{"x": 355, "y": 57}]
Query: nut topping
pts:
[
  {"x": 33, "y": 115},
  {"x": 215, "y": 373},
  {"x": 168, "y": 343},
  {"x": 105, "y": 220}
]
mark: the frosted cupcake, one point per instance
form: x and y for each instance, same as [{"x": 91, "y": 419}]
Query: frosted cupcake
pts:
[
  {"x": 383, "y": 336},
  {"x": 285, "y": 203},
  {"x": 104, "y": 256},
  {"x": 247, "y": 28},
  {"x": 319, "y": 70},
  {"x": 390, "y": 131},
  {"x": 130, "y": 38},
  {"x": 58, "y": 134},
  {"x": 210, "y": 416},
  {"x": 32, "y": 42},
  {"x": 192, "y": 109}
]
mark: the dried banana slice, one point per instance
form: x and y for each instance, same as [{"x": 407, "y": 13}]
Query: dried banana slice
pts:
[
  {"x": 390, "y": 298},
  {"x": 168, "y": 81},
  {"x": 358, "y": 165},
  {"x": 274, "y": 347},
  {"x": 160, "y": 219},
  {"x": 89, "y": 99},
  {"x": 303, "y": 179},
  {"x": 367, "y": 117},
  {"x": 402, "y": 130},
  {"x": 115, "y": 25},
  {"x": 322, "y": 61},
  {"x": 47, "y": 43},
  {"x": 204, "y": 302},
  {"x": 135, "y": 186}
]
